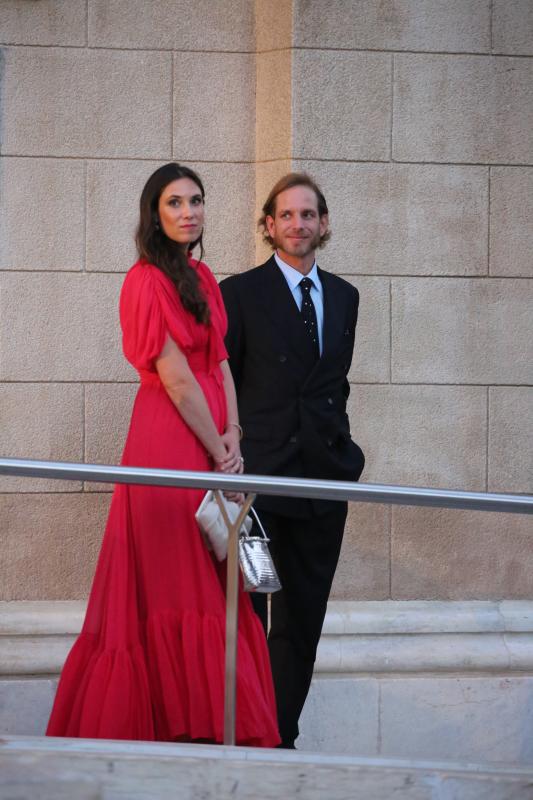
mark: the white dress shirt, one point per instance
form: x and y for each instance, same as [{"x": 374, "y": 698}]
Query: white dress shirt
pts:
[{"x": 293, "y": 278}]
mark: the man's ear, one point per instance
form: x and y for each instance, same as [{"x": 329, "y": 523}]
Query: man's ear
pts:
[
  {"x": 324, "y": 224},
  {"x": 270, "y": 224}
]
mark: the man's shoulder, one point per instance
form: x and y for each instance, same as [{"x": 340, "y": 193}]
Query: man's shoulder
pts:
[
  {"x": 247, "y": 278},
  {"x": 338, "y": 283}
]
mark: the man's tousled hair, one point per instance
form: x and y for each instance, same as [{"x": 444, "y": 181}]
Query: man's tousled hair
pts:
[{"x": 289, "y": 181}]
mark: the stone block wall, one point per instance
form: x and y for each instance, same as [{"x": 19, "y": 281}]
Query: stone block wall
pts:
[{"x": 415, "y": 116}]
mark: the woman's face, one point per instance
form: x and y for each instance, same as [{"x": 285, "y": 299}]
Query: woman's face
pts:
[{"x": 181, "y": 211}]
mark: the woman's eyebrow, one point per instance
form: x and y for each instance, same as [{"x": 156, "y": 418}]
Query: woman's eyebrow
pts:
[{"x": 180, "y": 197}]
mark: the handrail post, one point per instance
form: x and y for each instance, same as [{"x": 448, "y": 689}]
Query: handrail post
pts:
[{"x": 232, "y": 615}]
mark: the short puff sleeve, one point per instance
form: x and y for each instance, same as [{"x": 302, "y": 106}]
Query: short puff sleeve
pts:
[{"x": 150, "y": 310}]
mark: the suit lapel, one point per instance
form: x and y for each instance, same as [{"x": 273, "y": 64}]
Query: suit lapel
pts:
[{"x": 279, "y": 304}]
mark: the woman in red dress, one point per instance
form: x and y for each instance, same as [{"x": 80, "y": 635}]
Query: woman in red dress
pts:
[{"x": 149, "y": 662}]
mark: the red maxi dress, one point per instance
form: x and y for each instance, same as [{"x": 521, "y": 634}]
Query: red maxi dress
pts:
[{"x": 149, "y": 662}]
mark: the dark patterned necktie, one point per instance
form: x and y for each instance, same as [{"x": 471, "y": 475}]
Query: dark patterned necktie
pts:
[{"x": 309, "y": 314}]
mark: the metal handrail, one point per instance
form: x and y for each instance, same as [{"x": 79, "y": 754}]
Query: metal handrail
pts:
[
  {"x": 252, "y": 485},
  {"x": 266, "y": 484}
]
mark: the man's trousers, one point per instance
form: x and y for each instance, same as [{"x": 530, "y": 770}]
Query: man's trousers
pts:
[{"x": 305, "y": 552}]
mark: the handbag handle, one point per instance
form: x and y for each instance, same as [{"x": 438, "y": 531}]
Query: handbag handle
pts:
[{"x": 259, "y": 523}]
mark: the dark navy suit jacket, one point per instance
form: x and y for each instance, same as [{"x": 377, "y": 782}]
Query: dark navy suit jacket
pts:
[{"x": 292, "y": 407}]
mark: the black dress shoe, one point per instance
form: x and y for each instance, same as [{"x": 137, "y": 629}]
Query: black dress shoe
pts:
[{"x": 286, "y": 746}]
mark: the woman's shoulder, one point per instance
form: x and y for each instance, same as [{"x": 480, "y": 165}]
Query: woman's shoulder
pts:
[
  {"x": 143, "y": 270},
  {"x": 142, "y": 284},
  {"x": 143, "y": 275}
]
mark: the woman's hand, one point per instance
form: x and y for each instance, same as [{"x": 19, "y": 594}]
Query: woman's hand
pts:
[
  {"x": 228, "y": 460},
  {"x": 233, "y": 434},
  {"x": 235, "y": 497},
  {"x": 234, "y": 461}
]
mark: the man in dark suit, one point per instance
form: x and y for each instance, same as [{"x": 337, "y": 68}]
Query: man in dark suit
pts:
[{"x": 290, "y": 341}]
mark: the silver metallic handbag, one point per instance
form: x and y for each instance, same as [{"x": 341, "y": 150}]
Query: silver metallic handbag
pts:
[{"x": 258, "y": 570}]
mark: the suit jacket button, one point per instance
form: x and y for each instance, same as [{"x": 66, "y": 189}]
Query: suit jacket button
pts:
[
  {"x": 293, "y": 439},
  {"x": 330, "y": 442},
  {"x": 330, "y": 401},
  {"x": 282, "y": 358}
]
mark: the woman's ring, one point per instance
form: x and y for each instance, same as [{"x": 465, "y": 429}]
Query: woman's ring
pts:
[{"x": 241, "y": 459}]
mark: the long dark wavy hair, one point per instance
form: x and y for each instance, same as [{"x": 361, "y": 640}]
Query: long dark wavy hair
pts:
[{"x": 154, "y": 245}]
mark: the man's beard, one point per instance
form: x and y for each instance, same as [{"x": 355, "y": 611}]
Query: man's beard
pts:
[{"x": 311, "y": 245}]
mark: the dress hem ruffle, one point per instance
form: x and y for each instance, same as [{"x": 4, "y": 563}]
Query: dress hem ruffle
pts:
[{"x": 169, "y": 686}]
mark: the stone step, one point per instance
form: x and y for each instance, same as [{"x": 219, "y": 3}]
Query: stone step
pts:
[
  {"x": 358, "y": 637},
  {"x": 411, "y": 679},
  {"x": 83, "y": 769}
]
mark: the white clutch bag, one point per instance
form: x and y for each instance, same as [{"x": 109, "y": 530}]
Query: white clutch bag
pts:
[{"x": 212, "y": 526}]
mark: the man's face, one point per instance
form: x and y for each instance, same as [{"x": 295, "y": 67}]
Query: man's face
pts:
[{"x": 296, "y": 227}]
